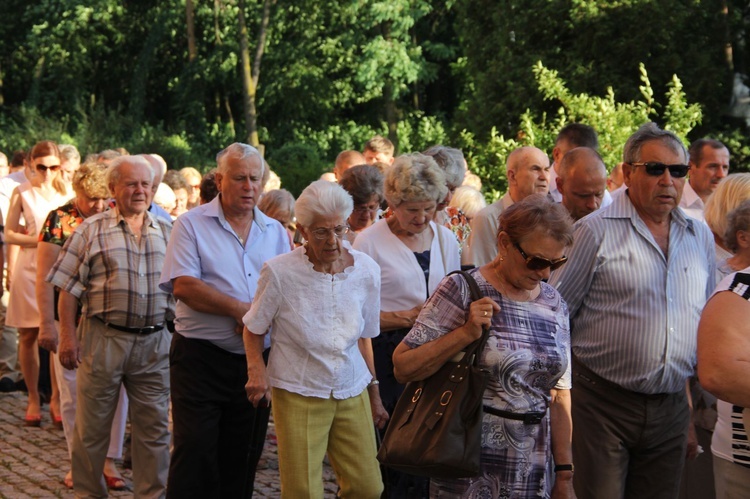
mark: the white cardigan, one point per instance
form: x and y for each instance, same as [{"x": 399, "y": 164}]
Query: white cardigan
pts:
[{"x": 402, "y": 279}]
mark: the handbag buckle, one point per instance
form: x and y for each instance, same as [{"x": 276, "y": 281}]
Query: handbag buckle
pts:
[
  {"x": 417, "y": 394},
  {"x": 531, "y": 418},
  {"x": 446, "y": 397}
]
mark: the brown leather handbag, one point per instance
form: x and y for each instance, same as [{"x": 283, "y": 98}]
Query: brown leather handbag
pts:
[{"x": 435, "y": 429}]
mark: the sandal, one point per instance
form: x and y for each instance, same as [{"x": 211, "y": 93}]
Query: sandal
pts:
[
  {"x": 33, "y": 420},
  {"x": 56, "y": 419},
  {"x": 115, "y": 482}
]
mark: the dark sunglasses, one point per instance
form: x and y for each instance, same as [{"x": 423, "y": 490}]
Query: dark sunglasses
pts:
[
  {"x": 539, "y": 263},
  {"x": 43, "y": 168},
  {"x": 656, "y": 169}
]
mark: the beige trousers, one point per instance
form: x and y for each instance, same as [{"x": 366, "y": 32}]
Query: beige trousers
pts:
[{"x": 141, "y": 364}]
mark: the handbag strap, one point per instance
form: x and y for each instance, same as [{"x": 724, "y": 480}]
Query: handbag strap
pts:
[{"x": 477, "y": 346}]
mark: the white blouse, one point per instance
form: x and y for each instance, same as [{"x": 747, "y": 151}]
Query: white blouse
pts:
[
  {"x": 317, "y": 320},
  {"x": 403, "y": 282}
]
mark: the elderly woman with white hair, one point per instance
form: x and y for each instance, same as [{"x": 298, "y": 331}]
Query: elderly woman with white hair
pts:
[
  {"x": 414, "y": 254},
  {"x": 322, "y": 301}
]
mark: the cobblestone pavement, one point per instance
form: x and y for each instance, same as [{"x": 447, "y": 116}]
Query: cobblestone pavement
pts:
[{"x": 34, "y": 461}]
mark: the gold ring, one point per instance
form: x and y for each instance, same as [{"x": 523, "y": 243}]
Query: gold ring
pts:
[{"x": 485, "y": 314}]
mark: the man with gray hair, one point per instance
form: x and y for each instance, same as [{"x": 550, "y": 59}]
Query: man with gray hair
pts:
[
  {"x": 212, "y": 266},
  {"x": 112, "y": 264},
  {"x": 638, "y": 275},
  {"x": 528, "y": 172},
  {"x": 582, "y": 181}
]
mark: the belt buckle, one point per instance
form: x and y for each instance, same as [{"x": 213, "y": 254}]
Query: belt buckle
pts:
[{"x": 531, "y": 418}]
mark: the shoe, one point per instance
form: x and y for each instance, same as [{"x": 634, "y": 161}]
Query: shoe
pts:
[
  {"x": 68, "y": 481},
  {"x": 7, "y": 385},
  {"x": 115, "y": 482},
  {"x": 33, "y": 420},
  {"x": 56, "y": 419}
]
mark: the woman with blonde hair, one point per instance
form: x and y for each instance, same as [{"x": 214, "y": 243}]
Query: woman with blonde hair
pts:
[
  {"x": 414, "y": 254},
  {"x": 732, "y": 191},
  {"x": 32, "y": 201}
]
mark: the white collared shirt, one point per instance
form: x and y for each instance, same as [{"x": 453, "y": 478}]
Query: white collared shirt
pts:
[{"x": 691, "y": 203}]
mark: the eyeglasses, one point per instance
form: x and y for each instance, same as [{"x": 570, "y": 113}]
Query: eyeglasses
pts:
[
  {"x": 656, "y": 169},
  {"x": 539, "y": 263},
  {"x": 42, "y": 168},
  {"x": 322, "y": 233}
]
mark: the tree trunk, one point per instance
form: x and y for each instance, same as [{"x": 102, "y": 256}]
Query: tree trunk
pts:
[
  {"x": 190, "y": 20},
  {"x": 391, "y": 114},
  {"x": 251, "y": 74}
]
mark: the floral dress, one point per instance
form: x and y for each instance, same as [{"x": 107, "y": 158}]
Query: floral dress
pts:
[
  {"x": 60, "y": 224},
  {"x": 57, "y": 228},
  {"x": 527, "y": 353}
]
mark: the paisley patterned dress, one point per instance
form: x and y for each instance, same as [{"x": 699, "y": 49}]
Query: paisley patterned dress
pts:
[{"x": 528, "y": 354}]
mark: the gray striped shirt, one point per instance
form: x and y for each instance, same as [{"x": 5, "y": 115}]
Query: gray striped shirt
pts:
[{"x": 634, "y": 313}]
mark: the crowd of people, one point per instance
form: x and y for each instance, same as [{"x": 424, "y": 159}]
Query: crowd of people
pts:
[{"x": 211, "y": 301}]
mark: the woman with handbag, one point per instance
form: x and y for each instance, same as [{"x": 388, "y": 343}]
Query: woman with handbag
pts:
[
  {"x": 527, "y": 354},
  {"x": 322, "y": 301},
  {"x": 414, "y": 254}
]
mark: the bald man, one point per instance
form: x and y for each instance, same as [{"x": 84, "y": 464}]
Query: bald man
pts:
[
  {"x": 582, "y": 181},
  {"x": 528, "y": 171},
  {"x": 347, "y": 159}
]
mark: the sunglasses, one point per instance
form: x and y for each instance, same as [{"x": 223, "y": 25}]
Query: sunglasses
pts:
[
  {"x": 539, "y": 263},
  {"x": 42, "y": 168},
  {"x": 656, "y": 169}
]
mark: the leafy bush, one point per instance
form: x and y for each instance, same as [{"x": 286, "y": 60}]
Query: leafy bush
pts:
[
  {"x": 297, "y": 164},
  {"x": 614, "y": 122}
]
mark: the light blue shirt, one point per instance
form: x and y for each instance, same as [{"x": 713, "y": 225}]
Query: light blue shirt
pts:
[
  {"x": 634, "y": 313},
  {"x": 203, "y": 245}
]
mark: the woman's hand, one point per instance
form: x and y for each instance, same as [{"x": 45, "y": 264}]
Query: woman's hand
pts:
[
  {"x": 257, "y": 389},
  {"x": 480, "y": 315},
  {"x": 379, "y": 415},
  {"x": 563, "y": 488}
]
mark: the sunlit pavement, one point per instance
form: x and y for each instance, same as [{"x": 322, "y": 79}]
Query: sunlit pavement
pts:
[{"x": 34, "y": 461}]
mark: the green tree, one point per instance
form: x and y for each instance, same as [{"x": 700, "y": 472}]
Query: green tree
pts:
[{"x": 613, "y": 120}]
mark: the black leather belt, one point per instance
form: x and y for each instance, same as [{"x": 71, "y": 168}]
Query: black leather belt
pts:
[
  {"x": 528, "y": 418},
  {"x": 134, "y": 330}
]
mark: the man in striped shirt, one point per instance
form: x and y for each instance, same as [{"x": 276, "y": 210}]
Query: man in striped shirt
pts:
[
  {"x": 639, "y": 273},
  {"x": 113, "y": 263}
]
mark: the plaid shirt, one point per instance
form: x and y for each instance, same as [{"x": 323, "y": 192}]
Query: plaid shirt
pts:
[{"x": 116, "y": 277}]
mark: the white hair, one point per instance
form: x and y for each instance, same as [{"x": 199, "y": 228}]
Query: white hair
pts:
[
  {"x": 240, "y": 151},
  {"x": 322, "y": 198},
  {"x": 469, "y": 200},
  {"x": 452, "y": 162},
  {"x": 113, "y": 170}
]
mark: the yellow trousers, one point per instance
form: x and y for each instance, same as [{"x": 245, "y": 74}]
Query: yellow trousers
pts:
[{"x": 308, "y": 427}]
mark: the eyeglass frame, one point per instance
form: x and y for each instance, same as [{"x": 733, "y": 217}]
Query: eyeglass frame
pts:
[
  {"x": 323, "y": 233},
  {"x": 43, "y": 168},
  {"x": 649, "y": 167},
  {"x": 547, "y": 263}
]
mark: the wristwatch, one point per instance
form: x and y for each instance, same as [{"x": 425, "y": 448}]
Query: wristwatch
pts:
[{"x": 563, "y": 467}]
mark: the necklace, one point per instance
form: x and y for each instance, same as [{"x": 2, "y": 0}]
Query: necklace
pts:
[
  {"x": 504, "y": 290},
  {"x": 242, "y": 235}
]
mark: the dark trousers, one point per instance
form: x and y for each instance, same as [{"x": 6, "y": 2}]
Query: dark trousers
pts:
[
  {"x": 398, "y": 485},
  {"x": 218, "y": 435},
  {"x": 626, "y": 444}
]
